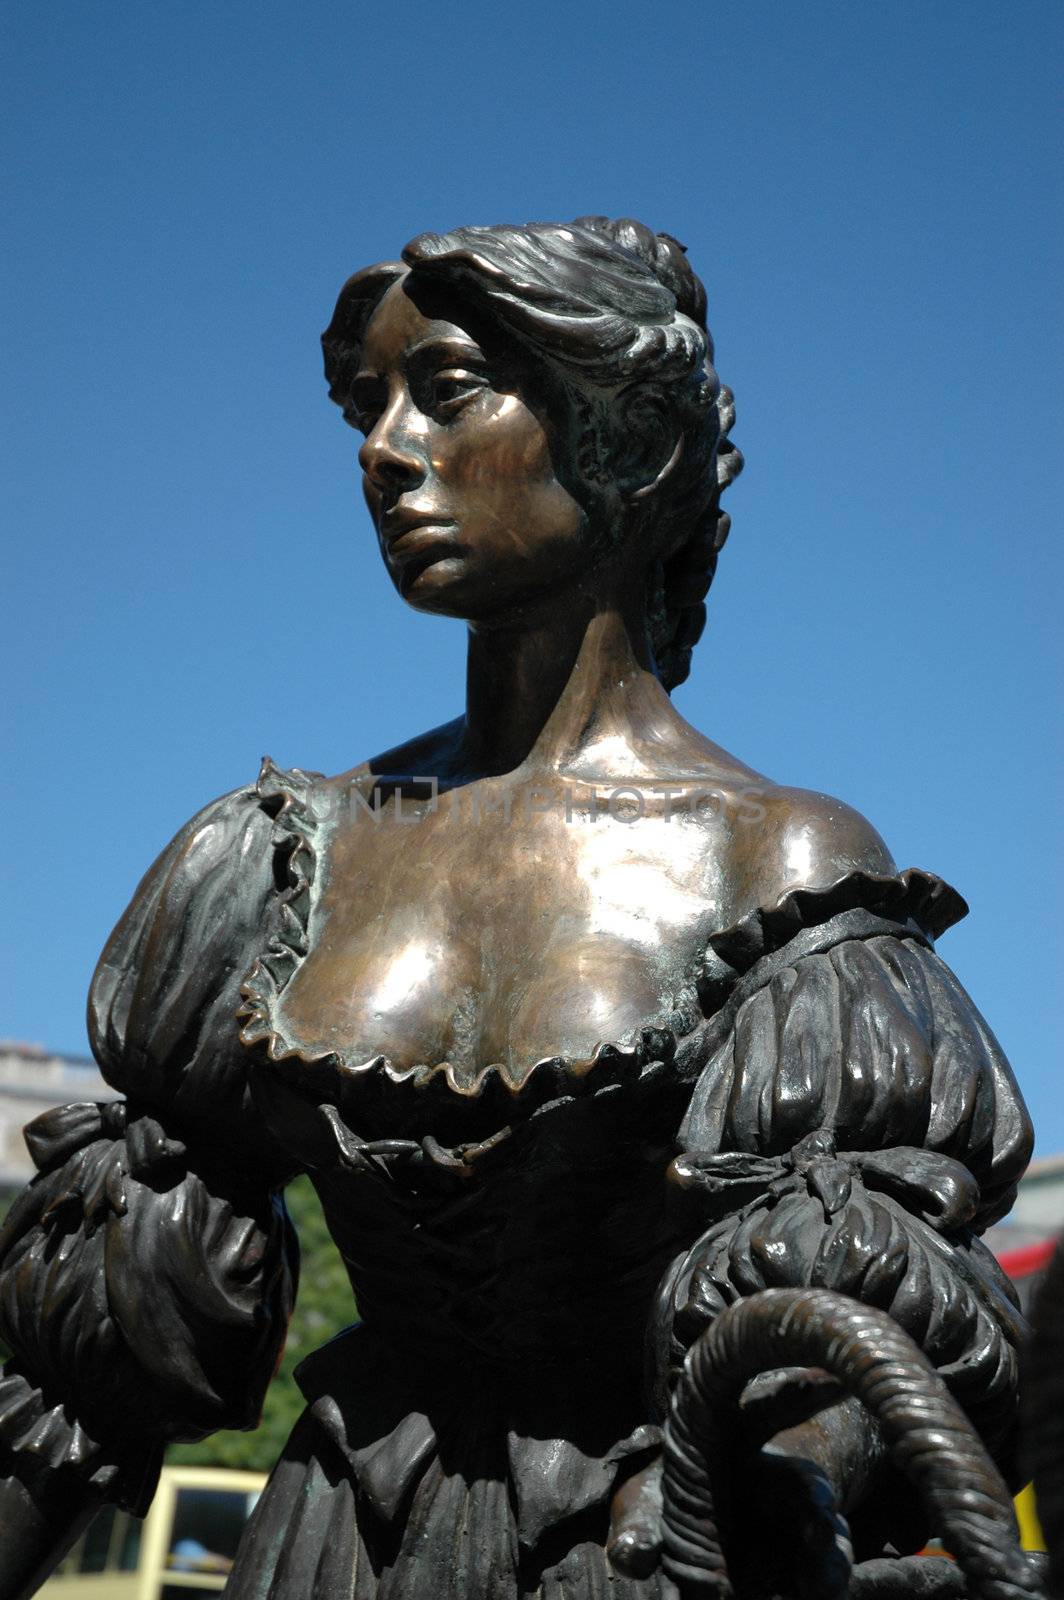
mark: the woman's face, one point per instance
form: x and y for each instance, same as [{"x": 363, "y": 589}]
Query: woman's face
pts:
[{"x": 457, "y": 470}]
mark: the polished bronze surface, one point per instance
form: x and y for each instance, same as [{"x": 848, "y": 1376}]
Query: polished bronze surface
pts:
[
  {"x": 584, "y": 1030},
  {"x": 617, "y": 838}
]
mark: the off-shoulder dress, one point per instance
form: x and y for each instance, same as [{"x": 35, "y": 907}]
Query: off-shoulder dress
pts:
[{"x": 530, "y": 1265}]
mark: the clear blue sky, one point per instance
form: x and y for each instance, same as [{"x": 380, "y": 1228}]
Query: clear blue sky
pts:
[{"x": 872, "y": 194}]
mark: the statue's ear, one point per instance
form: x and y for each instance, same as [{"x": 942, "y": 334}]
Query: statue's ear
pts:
[{"x": 647, "y": 443}]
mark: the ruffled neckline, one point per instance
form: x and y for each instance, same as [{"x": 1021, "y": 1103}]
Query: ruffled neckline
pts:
[
  {"x": 912, "y": 900},
  {"x": 915, "y": 896}
]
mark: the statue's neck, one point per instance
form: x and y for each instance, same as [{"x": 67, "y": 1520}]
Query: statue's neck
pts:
[{"x": 566, "y": 688}]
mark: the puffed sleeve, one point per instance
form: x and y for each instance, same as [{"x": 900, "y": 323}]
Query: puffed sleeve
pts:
[
  {"x": 853, "y": 1125},
  {"x": 147, "y": 1273}
]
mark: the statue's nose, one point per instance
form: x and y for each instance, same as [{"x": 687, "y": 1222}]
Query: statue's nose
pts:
[{"x": 390, "y": 456}]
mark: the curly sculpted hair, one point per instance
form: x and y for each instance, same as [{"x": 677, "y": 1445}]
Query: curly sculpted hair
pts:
[{"x": 611, "y": 315}]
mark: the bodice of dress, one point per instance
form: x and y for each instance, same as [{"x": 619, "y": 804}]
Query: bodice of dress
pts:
[
  {"x": 528, "y": 1223},
  {"x": 533, "y": 1222},
  {"x": 828, "y": 1009},
  {"x": 825, "y": 1106}
]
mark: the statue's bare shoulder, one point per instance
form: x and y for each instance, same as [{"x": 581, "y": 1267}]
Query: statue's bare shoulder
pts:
[
  {"x": 798, "y": 838},
  {"x": 760, "y": 838}
]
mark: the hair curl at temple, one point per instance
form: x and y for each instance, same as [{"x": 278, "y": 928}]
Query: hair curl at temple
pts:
[{"x": 616, "y": 314}]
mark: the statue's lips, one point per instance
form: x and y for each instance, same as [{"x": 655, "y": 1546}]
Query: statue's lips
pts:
[{"x": 405, "y": 541}]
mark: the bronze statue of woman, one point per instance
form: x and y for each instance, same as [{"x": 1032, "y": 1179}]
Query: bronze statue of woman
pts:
[{"x": 583, "y": 1029}]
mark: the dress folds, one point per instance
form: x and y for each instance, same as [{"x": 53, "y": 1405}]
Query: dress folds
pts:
[{"x": 835, "y": 1111}]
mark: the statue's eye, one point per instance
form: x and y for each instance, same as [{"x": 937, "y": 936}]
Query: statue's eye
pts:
[
  {"x": 361, "y": 417},
  {"x": 451, "y": 387},
  {"x": 365, "y": 402}
]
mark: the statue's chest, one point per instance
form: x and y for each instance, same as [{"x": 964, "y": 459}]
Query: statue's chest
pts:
[{"x": 442, "y": 937}]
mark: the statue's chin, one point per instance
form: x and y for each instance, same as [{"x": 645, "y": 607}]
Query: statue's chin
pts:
[{"x": 433, "y": 582}]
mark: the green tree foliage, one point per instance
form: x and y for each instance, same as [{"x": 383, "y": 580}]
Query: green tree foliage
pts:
[{"x": 324, "y": 1306}]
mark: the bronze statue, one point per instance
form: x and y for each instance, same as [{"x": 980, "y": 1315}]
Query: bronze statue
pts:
[{"x": 585, "y": 1031}]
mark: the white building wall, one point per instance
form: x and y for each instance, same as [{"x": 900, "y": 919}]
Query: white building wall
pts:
[{"x": 31, "y": 1081}]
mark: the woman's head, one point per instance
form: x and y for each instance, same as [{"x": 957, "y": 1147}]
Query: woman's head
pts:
[{"x": 598, "y": 328}]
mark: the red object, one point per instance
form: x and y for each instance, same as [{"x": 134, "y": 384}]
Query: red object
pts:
[{"x": 1029, "y": 1258}]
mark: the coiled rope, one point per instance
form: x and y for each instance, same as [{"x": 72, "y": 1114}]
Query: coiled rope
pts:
[{"x": 929, "y": 1436}]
